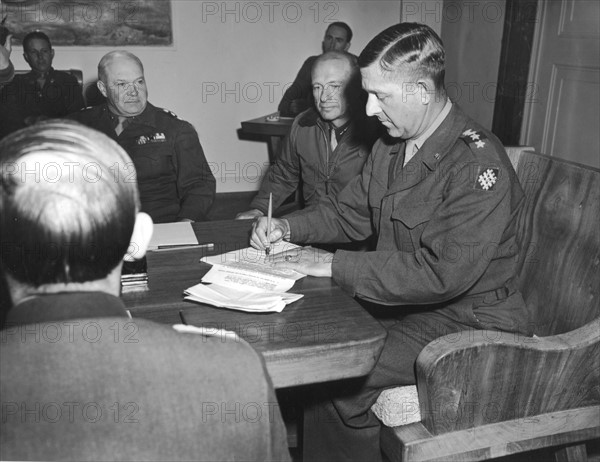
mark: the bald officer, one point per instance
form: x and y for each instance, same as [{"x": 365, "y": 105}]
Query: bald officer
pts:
[{"x": 174, "y": 178}]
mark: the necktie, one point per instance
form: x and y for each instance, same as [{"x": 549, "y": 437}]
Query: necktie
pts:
[
  {"x": 411, "y": 150},
  {"x": 332, "y": 139},
  {"x": 396, "y": 165},
  {"x": 121, "y": 125}
]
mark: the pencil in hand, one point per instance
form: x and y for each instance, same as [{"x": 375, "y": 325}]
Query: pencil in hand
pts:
[{"x": 269, "y": 215}]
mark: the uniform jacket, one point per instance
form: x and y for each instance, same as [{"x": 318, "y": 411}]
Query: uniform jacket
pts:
[
  {"x": 306, "y": 159},
  {"x": 81, "y": 381},
  {"x": 445, "y": 223},
  {"x": 23, "y": 98},
  {"x": 173, "y": 175}
]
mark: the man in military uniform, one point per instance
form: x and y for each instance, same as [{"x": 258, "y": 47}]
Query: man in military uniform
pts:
[
  {"x": 174, "y": 178},
  {"x": 299, "y": 97},
  {"x": 327, "y": 145},
  {"x": 40, "y": 94},
  {"x": 442, "y": 199}
]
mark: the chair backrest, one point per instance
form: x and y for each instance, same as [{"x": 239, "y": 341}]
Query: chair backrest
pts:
[{"x": 558, "y": 269}]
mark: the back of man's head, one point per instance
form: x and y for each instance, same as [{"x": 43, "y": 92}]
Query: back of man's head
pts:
[
  {"x": 407, "y": 48},
  {"x": 36, "y": 34},
  {"x": 68, "y": 204}
]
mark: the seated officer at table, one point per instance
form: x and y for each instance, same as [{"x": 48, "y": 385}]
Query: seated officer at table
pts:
[
  {"x": 80, "y": 380},
  {"x": 175, "y": 181},
  {"x": 442, "y": 198},
  {"x": 327, "y": 145},
  {"x": 299, "y": 96},
  {"x": 40, "y": 94}
]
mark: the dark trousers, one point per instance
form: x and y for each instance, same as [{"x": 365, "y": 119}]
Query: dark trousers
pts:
[{"x": 338, "y": 422}]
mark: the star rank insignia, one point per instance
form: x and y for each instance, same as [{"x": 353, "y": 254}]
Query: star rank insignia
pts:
[
  {"x": 487, "y": 179},
  {"x": 474, "y": 138}
]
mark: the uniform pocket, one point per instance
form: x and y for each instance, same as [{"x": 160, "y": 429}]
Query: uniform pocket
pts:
[
  {"x": 509, "y": 314},
  {"x": 153, "y": 161},
  {"x": 410, "y": 220}
]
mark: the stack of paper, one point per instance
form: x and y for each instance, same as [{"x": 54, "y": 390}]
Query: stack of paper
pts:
[
  {"x": 134, "y": 273},
  {"x": 244, "y": 280},
  {"x": 179, "y": 235},
  {"x": 226, "y": 297}
]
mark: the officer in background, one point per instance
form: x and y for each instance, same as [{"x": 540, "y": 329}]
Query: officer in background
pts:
[
  {"x": 174, "y": 178},
  {"x": 40, "y": 94},
  {"x": 298, "y": 97}
]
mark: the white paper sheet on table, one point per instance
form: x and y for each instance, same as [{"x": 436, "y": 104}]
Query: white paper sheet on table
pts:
[
  {"x": 244, "y": 280},
  {"x": 172, "y": 234},
  {"x": 226, "y": 297}
]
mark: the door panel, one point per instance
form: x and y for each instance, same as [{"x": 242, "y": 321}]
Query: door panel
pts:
[{"x": 562, "y": 115}]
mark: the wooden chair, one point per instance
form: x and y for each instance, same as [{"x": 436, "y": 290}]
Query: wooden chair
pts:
[{"x": 490, "y": 394}]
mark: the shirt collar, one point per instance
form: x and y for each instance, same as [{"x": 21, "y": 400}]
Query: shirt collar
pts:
[
  {"x": 418, "y": 142},
  {"x": 64, "y": 306},
  {"x": 339, "y": 131}
]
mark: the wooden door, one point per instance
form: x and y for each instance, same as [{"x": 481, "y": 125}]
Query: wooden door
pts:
[{"x": 562, "y": 112}]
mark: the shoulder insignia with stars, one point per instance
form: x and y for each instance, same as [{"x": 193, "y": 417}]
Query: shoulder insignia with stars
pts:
[
  {"x": 475, "y": 139},
  {"x": 172, "y": 114}
]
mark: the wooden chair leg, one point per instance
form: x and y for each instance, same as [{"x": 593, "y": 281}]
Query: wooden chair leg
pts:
[{"x": 576, "y": 453}]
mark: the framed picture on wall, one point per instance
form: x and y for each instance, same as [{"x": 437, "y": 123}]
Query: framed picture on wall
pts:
[{"x": 92, "y": 23}]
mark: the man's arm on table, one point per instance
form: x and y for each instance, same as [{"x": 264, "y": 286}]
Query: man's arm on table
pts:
[
  {"x": 196, "y": 184},
  {"x": 343, "y": 220}
]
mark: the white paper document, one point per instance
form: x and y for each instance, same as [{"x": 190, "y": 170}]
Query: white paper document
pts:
[
  {"x": 226, "y": 297},
  {"x": 172, "y": 235},
  {"x": 244, "y": 280}
]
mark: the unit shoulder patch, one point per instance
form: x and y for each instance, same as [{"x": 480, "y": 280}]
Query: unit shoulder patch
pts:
[{"x": 487, "y": 179}]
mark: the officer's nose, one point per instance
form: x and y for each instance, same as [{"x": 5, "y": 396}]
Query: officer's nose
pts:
[{"x": 373, "y": 107}]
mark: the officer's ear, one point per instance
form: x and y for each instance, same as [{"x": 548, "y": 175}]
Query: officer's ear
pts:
[
  {"x": 102, "y": 88},
  {"x": 140, "y": 238},
  {"x": 426, "y": 88}
]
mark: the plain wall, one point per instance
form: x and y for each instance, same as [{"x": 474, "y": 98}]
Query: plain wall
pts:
[
  {"x": 472, "y": 35},
  {"x": 230, "y": 62}
]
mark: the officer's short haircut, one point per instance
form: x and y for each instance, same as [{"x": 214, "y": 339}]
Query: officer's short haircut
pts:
[
  {"x": 112, "y": 56},
  {"x": 36, "y": 34},
  {"x": 354, "y": 93},
  {"x": 68, "y": 204},
  {"x": 344, "y": 26},
  {"x": 341, "y": 55},
  {"x": 407, "y": 47}
]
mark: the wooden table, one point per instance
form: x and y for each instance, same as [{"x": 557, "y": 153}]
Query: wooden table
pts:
[
  {"x": 274, "y": 131},
  {"x": 324, "y": 336}
]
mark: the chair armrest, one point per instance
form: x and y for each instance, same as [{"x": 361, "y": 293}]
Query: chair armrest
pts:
[{"x": 475, "y": 378}]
